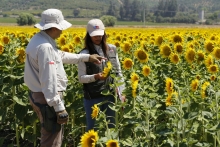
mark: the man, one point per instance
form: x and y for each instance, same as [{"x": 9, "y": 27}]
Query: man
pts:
[{"x": 46, "y": 78}]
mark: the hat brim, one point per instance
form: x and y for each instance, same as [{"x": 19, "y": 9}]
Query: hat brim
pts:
[
  {"x": 63, "y": 25},
  {"x": 97, "y": 33}
]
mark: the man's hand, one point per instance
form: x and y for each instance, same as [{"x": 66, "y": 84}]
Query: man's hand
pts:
[
  {"x": 99, "y": 76},
  {"x": 62, "y": 117},
  {"x": 96, "y": 58}
]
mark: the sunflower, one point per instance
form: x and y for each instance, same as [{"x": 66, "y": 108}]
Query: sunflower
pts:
[
  {"x": 200, "y": 56},
  {"x": 117, "y": 44},
  {"x": 165, "y": 50},
  {"x": 144, "y": 45},
  {"x": 209, "y": 60},
  {"x": 198, "y": 77},
  {"x": 146, "y": 70},
  {"x": 177, "y": 38},
  {"x": 216, "y": 53},
  {"x": 209, "y": 46},
  {"x": 134, "y": 77},
  {"x": 62, "y": 41},
  {"x": 213, "y": 68},
  {"x": 203, "y": 91},
  {"x": 65, "y": 48},
  {"x": 77, "y": 40},
  {"x": 194, "y": 85},
  {"x": 169, "y": 100},
  {"x": 126, "y": 47},
  {"x": 169, "y": 86},
  {"x": 178, "y": 48},
  {"x": 107, "y": 69},
  {"x": 134, "y": 86},
  {"x": 190, "y": 55},
  {"x": 141, "y": 55},
  {"x": 212, "y": 77},
  {"x": 174, "y": 58},
  {"x": 5, "y": 39},
  {"x": 1, "y": 48},
  {"x": 127, "y": 63},
  {"x": 159, "y": 40},
  {"x": 118, "y": 38},
  {"x": 20, "y": 52},
  {"x": 95, "y": 111},
  {"x": 89, "y": 139},
  {"x": 112, "y": 143}
]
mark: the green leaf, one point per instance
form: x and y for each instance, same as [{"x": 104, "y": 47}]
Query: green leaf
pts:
[
  {"x": 19, "y": 101},
  {"x": 2, "y": 140}
]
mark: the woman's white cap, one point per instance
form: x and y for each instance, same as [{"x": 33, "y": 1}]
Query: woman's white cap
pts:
[{"x": 95, "y": 27}]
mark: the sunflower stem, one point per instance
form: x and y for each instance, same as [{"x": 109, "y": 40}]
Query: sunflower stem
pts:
[{"x": 72, "y": 125}]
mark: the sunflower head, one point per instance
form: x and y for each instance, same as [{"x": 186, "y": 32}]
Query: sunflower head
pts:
[
  {"x": 5, "y": 39},
  {"x": 1, "y": 48},
  {"x": 146, "y": 70},
  {"x": 107, "y": 69},
  {"x": 174, "y": 58},
  {"x": 178, "y": 48},
  {"x": 213, "y": 68},
  {"x": 169, "y": 86},
  {"x": 200, "y": 56},
  {"x": 65, "y": 48},
  {"x": 112, "y": 143},
  {"x": 117, "y": 44},
  {"x": 190, "y": 55},
  {"x": 165, "y": 50},
  {"x": 61, "y": 41},
  {"x": 209, "y": 46},
  {"x": 141, "y": 55},
  {"x": 77, "y": 40},
  {"x": 134, "y": 86},
  {"x": 209, "y": 60},
  {"x": 126, "y": 47},
  {"x": 194, "y": 85},
  {"x": 213, "y": 77},
  {"x": 177, "y": 38},
  {"x": 159, "y": 40},
  {"x": 134, "y": 77},
  {"x": 216, "y": 53},
  {"x": 203, "y": 89},
  {"x": 127, "y": 63},
  {"x": 95, "y": 111},
  {"x": 89, "y": 139}
]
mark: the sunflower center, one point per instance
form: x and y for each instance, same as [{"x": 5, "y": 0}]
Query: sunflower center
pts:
[{"x": 142, "y": 55}]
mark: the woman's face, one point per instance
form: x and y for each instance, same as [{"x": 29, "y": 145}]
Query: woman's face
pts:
[{"x": 96, "y": 39}]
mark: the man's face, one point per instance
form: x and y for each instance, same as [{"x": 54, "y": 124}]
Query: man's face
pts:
[{"x": 56, "y": 33}]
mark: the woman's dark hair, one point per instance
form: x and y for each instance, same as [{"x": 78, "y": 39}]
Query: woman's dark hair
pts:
[{"x": 90, "y": 46}]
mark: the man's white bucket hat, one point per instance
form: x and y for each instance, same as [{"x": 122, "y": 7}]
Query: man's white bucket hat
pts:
[
  {"x": 95, "y": 27},
  {"x": 52, "y": 18}
]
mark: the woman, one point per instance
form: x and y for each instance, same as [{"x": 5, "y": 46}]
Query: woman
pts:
[{"x": 91, "y": 75}]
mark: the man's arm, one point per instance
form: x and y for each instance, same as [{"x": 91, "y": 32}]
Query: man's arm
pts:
[{"x": 72, "y": 58}]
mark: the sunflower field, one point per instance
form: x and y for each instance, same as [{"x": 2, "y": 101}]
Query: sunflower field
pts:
[{"x": 172, "y": 90}]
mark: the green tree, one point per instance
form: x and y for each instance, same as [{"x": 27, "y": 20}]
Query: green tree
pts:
[
  {"x": 112, "y": 10},
  {"x": 109, "y": 21},
  {"x": 76, "y": 12},
  {"x": 26, "y": 19}
]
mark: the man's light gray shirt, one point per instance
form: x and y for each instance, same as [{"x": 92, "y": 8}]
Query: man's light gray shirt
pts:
[{"x": 44, "y": 71}]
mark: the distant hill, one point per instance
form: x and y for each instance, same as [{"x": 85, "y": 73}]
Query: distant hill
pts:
[{"x": 93, "y": 8}]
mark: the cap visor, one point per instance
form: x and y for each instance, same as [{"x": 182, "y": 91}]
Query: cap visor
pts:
[{"x": 97, "y": 33}]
